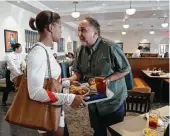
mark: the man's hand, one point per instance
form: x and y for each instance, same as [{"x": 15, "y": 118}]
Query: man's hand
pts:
[{"x": 107, "y": 81}]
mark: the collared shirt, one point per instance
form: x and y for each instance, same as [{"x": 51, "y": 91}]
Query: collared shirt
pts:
[
  {"x": 104, "y": 59},
  {"x": 14, "y": 63}
]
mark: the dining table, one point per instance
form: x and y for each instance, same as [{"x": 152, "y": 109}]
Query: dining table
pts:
[
  {"x": 135, "y": 126},
  {"x": 160, "y": 76}
]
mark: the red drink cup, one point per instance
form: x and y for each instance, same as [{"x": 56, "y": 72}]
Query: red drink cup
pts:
[
  {"x": 153, "y": 119},
  {"x": 101, "y": 86}
]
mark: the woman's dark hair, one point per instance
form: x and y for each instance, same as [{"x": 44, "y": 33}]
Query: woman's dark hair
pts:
[
  {"x": 94, "y": 23},
  {"x": 15, "y": 46},
  {"x": 43, "y": 19}
]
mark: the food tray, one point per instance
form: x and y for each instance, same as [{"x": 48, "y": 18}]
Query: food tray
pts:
[{"x": 109, "y": 95}]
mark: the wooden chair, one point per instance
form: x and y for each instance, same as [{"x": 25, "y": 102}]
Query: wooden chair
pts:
[{"x": 139, "y": 102}]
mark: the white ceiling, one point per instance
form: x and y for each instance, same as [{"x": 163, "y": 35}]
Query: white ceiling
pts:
[{"x": 110, "y": 14}]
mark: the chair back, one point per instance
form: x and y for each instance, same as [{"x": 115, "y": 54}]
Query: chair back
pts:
[
  {"x": 139, "y": 102},
  {"x": 3, "y": 69},
  {"x": 64, "y": 69}
]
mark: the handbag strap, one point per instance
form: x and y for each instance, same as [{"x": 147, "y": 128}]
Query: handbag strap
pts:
[{"x": 48, "y": 61}]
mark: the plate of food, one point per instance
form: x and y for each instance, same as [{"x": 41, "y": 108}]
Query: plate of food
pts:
[
  {"x": 98, "y": 91},
  {"x": 79, "y": 90},
  {"x": 150, "y": 132}
]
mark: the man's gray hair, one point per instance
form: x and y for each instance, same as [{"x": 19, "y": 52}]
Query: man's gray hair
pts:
[{"x": 94, "y": 23}]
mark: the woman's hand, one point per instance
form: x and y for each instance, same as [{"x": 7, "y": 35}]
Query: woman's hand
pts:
[
  {"x": 77, "y": 102},
  {"x": 64, "y": 79}
]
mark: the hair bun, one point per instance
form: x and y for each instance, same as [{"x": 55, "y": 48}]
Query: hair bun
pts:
[{"x": 31, "y": 23}]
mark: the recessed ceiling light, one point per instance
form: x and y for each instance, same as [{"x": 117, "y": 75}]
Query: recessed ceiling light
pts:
[
  {"x": 103, "y": 4},
  {"x": 125, "y": 26},
  {"x": 152, "y": 32},
  {"x": 123, "y": 33},
  {"x": 56, "y": 8},
  {"x": 18, "y": 1}
]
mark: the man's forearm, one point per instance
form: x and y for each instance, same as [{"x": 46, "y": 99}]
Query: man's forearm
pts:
[
  {"x": 75, "y": 77},
  {"x": 117, "y": 76}
]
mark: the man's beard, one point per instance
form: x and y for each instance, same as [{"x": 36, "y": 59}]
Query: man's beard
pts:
[{"x": 83, "y": 43}]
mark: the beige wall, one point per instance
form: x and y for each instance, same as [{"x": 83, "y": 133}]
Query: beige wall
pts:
[
  {"x": 15, "y": 18},
  {"x": 131, "y": 40}
]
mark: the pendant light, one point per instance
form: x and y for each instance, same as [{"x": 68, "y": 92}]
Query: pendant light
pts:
[
  {"x": 130, "y": 11},
  {"x": 152, "y": 31},
  {"x": 123, "y": 33},
  {"x": 75, "y": 14},
  {"x": 126, "y": 25},
  {"x": 164, "y": 24}
]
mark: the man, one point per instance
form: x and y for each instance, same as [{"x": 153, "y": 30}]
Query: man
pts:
[
  {"x": 136, "y": 54},
  {"x": 100, "y": 58},
  {"x": 15, "y": 64}
]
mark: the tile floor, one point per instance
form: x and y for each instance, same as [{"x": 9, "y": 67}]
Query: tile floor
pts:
[{"x": 7, "y": 129}]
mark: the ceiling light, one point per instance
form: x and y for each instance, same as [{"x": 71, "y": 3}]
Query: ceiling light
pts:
[
  {"x": 18, "y": 1},
  {"x": 152, "y": 32},
  {"x": 125, "y": 26},
  {"x": 130, "y": 11},
  {"x": 164, "y": 24},
  {"x": 123, "y": 33},
  {"x": 103, "y": 4},
  {"x": 75, "y": 14}
]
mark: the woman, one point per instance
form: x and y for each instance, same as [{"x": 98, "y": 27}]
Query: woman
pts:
[
  {"x": 15, "y": 66},
  {"x": 49, "y": 27}
]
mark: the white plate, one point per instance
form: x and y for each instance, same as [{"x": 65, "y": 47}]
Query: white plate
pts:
[{"x": 66, "y": 90}]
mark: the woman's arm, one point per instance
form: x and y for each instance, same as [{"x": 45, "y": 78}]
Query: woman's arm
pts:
[{"x": 36, "y": 69}]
